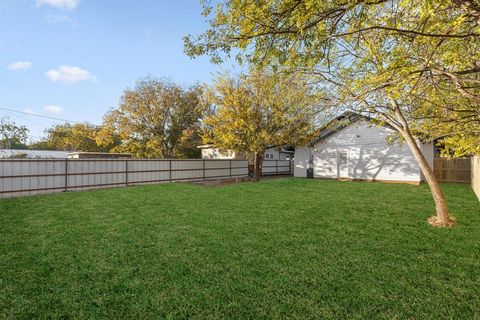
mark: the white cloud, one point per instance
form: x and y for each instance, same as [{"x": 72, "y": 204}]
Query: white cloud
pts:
[
  {"x": 53, "y": 110},
  {"x": 20, "y": 65},
  {"x": 57, "y": 18},
  {"x": 29, "y": 111},
  {"x": 69, "y": 74},
  {"x": 59, "y": 4}
]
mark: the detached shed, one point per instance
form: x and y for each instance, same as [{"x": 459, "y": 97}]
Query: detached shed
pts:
[{"x": 351, "y": 147}]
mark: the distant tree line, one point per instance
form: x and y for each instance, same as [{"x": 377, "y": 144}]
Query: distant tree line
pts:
[{"x": 155, "y": 119}]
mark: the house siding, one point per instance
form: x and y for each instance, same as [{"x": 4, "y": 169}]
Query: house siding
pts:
[
  {"x": 360, "y": 151},
  {"x": 274, "y": 152}
]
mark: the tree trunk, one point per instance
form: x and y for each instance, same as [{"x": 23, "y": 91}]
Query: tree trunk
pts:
[
  {"x": 442, "y": 219},
  {"x": 257, "y": 168}
]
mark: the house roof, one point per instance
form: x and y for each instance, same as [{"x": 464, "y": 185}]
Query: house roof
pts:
[
  {"x": 338, "y": 123},
  {"x": 283, "y": 148},
  {"x": 98, "y": 154}
]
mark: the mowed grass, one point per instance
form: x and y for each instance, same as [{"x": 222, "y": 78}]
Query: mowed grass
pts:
[{"x": 282, "y": 248}]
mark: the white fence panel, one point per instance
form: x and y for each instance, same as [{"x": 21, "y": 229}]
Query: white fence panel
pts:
[
  {"x": 239, "y": 168},
  {"x": 284, "y": 167},
  {"x": 29, "y": 177},
  {"x": 185, "y": 170},
  {"x": 476, "y": 175},
  {"x": 91, "y": 174},
  {"x": 20, "y": 177},
  {"x": 148, "y": 171},
  {"x": 217, "y": 169},
  {"x": 276, "y": 167}
]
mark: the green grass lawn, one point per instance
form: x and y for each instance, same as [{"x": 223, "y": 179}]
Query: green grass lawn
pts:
[{"x": 282, "y": 248}]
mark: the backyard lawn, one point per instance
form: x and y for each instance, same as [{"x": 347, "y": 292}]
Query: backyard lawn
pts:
[{"x": 281, "y": 248}]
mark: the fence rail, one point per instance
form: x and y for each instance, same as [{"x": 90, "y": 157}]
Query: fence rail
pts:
[
  {"x": 276, "y": 167},
  {"x": 21, "y": 177},
  {"x": 453, "y": 170}
]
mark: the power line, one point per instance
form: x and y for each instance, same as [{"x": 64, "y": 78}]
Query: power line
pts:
[
  {"x": 39, "y": 115},
  {"x": 30, "y": 120}
]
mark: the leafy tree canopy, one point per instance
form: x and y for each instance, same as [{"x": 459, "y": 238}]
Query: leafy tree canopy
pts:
[
  {"x": 157, "y": 119},
  {"x": 253, "y": 112},
  {"x": 73, "y": 137},
  {"x": 12, "y": 136}
]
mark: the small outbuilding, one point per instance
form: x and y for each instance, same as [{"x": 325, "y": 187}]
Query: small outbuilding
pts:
[{"x": 352, "y": 147}]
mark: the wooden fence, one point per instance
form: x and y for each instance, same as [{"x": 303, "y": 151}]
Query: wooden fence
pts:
[
  {"x": 455, "y": 170},
  {"x": 21, "y": 177},
  {"x": 476, "y": 176}
]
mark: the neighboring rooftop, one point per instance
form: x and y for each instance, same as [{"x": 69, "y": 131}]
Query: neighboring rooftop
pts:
[
  {"x": 97, "y": 155},
  {"x": 32, "y": 154}
]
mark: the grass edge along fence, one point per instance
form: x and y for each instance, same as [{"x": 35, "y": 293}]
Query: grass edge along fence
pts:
[{"x": 22, "y": 177}]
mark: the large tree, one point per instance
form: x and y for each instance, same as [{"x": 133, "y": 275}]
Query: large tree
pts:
[
  {"x": 386, "y": 58},
  {"x": 12, "y": 136},
  {"x": 256, "y": 111},
  {"x": 157, "y": 119},
  {"x": 74, "y": 137}
]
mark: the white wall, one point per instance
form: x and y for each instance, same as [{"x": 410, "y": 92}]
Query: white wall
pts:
[
  {"x": 369, "y": 156},
  {"x": 274, "y": 152},
  {"x": 302, "y": 155},
  {"x": 476, "y": 175},
  {"x": 285, "y": 155}
]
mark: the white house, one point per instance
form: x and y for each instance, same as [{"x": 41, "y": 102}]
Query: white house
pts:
[
  {"x": 356, "y": 149},
  {"x": 273, "y": 153},
  {"x": 279, "y": 153}
]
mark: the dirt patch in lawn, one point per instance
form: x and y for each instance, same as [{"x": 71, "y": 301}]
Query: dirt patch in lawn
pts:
[{"x": 220, "y": 182}]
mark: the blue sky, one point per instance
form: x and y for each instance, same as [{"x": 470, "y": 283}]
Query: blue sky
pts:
[{"x": 72, "y": 59}]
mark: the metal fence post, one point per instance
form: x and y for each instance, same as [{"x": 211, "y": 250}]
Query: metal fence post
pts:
[
  {"x": 126, "y": 172},
  {"x": 203, "y": 169},
  {"x": 66, "y": 174},
  {"x": 276, "y": 167},
  {"x": 230, "y": 168},
  {"x": 170, "y": 170}
]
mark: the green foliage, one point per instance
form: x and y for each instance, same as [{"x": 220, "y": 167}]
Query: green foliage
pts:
[
  {"x": 282, "y": 248},
  {"x": 157, "y": 119},
  {"x": 256, "y": 111},
  {"x": 12, "y": 136},
  {"x": 416, "y": 57},
  {"x": 74, "y": 137}
]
